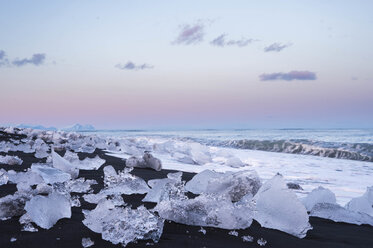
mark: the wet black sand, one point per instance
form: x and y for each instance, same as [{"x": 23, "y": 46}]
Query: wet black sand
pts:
[{"x": 69, "y": 232}]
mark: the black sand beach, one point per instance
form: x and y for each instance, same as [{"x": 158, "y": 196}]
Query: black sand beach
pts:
[{"x": 69, "y": 232}]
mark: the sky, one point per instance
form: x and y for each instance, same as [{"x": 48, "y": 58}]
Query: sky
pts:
[{"x": 187, "y": 64}]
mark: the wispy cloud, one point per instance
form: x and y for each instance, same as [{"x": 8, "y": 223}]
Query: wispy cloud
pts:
[
  {"x": 289, "y": 76},
  {"x": 276, "y": 47},
  {"x": 190, "y": 34},
  {"x": 36, "y": 59},
  {"x": 132, "y": 66},
  {"x": 221, "y": 41}
]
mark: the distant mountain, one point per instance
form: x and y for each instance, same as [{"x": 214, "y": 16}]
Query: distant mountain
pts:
[
  {"x": 78, "y": 128},
  {"x": 40, "y": 127}
]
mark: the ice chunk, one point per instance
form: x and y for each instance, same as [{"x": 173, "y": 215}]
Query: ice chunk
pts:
[
  {"x": 160, "y": 187},
  {"x": 74, "y": 201},
  {"x": 85, "y": 164},
  {"x": 13, "y": 205},
  {"x": 363, "y": 204},
  {"x": 49, "y": 174},
  {"x": 87, "y": 242},
  {"x": 3, "y": 177},
  {"x": 13, "y": 239},
  {"x": 79, "y": 185},
  {"x": 29, "y": 228},
  {"x": 233, "y": 233},
  {"x": 118, "y": 184},
  {"x": 277, "y": 207},
  {"x": 10, "y": 160},
  {"x": 200, "y": 154},
  {"x": 183, "y": 158},
  {"x": 234, "y": 162},
  {"x": 205, "y": 210},
  {"x": 262, "y": 242},
  {"x": 202, "y": 231},
  {"x": 339, "y": 214},
  {"x": 64, "y": 165},
  {"x": 24, "y": 180},
  {"x": 123, "y": 225},
  {"x": 46, "y": 211},
  {"x": 318, "y": 195},
  {"x": 247, "y": 238},
  {"x": 235, "y": 185},
  {"x": 147, "y": 161}
]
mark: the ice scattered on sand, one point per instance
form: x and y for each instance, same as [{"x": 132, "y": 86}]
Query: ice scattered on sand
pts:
[
  {"x": 362, "y": 204},
  {"x": 318, "y": 195},
  {"x": 123, "y": 225},
  {"x": 64, "y": 165},
  {"x": 235, "y": 185},
  {"x": 45, "y": 211},
  {"x": 233, "y": 233},
  {"x": 277, "y": 207},
  {"x": 262, "y": 242},
  {"x": 202, "y": 231},
  {"x": 49, "y": 174},
  {"x": 247, "y": 238},
  {"x": 10, "y": 160},
  {"x": 87, "y": 242},
  {"x": 338, "y": 213}
]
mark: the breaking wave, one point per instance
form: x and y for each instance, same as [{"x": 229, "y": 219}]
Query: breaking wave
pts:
[{"x": 354, "y": 151}]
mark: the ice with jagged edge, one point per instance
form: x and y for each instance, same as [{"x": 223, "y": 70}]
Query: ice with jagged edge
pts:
[
  {"x": 318, "y": 195},
  {"x": 49, "y": 174},
  {"x": 64, "y": 165},
  {"x": 87, "y": 242},
  {"x": 338, "y": 213},
  {"x": 122, "y": 225},
  {"x": 160, "y": 186},
  {"x": 24, "y": 180},
  {"x": 45, "y": 211},
  {"x": 3, "y": 177},
  {"x": 10, "y": 160},
  {"x": 85, "y": 164},
  {"x": 362, "y": 204},
  {"x": 119, "y": 183},
  {"x": 277, "y": 207},
  {"x": 234, "y": 184},
  {"x": 13, "y": 205}
]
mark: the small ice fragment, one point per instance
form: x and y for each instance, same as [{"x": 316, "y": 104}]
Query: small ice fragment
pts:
[
  {"x": 262, "y": 242},
  {"x": 85, "y": 164},
  {"x": 87, "y": 242},
  {"x": 202, "y": 231},
  {"x": 75, "y": 202},
  {"x": 277, "y": 207},
  {"x": 318, "y": 195},
  {"x": 362, "y": 204},
  {"x": 29, "y": 228},
  {"x": 247, "y": 238},
  {"x": 46, "y": 211},
  {"x": 147, "y": 161},
  {"x": 233, "y": 233},
  {"x": 13, "y": 239}
]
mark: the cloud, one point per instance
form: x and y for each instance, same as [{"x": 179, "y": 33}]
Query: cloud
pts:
[
  {"x": 190, "y": 34},
  {"x": 276, "y": 47},
  {"x": 221, "y": 42},
  {"x": 36, "y": 59},
  {"x": 132, "y": 66},
  {"x": 3, "y": 60},
  {"x": 289, "y": 76}
]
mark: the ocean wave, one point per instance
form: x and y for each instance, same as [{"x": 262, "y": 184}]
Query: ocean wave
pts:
[{"x": 355, "y": 151}]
